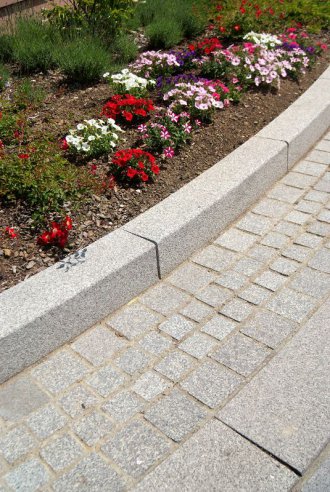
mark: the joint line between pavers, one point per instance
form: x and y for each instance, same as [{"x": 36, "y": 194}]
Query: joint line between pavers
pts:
[
  {"x": 276, "y": 458},
  {"x": 157, "y": 250}
]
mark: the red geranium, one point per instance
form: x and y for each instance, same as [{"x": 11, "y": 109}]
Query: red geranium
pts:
[
  {"x": 127, "y": 107},
  {"x": 133, "y": 165},
  {"x": 207, "y": 46},
  {"x": 57, "y": 235}
]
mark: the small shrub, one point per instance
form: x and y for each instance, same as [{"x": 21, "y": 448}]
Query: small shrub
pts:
[
  {"x": 43, "y": 180},
  {"x": 6, "y": 48},
  {"x": 124, "y": 49},
  {"x": 11, "y": 128},
  {"x": 28, "y": 94},
  {"x": 83, "y": 60},
  {"x": 4, "y": 76},
  {"x": 164, "y": 33},
  {"x": 33, "y": 46},
  {"x": 133, "y": 165}
]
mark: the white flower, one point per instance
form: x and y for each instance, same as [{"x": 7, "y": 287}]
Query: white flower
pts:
[
  {"x": 80, "y": 126},
  {"x": 91, "y": 138}
]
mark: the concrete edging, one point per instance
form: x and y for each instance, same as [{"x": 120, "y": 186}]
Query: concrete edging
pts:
[{"x": 52, "y": 307}]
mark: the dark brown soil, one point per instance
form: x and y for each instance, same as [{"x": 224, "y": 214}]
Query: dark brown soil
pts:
[{"x": 22, "y": 257}]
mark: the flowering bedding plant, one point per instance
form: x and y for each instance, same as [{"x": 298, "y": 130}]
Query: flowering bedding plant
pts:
[
  {"x": 57, "y": 235},
  {"x": 126, "y": 81},
  {"x": 92, "y": 138},
  {"x": 128, "y": 107},
  {"x": 167, "y": 133},
  {"x": 207, "y": 46},
  {"x": 263, "y": 39},
  {"x": 133, "y": 165},
  {"x": 199, "y": 99},
  {"x": 155, "y": 63}
]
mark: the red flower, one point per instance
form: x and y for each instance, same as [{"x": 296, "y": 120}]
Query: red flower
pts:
[
  {"x": 242, "y": 9},
  {"x": 128, "y": 116},
  {"x": 222, "y": 29},
  {"x": 237, "y": 27},
  {"x": 133, "y": 164},
  {"x": 23, "y": 156},
  {"x": 67, "y": 223},
  {"x": 64, "y": 144},
  {"x": 191, "y": 47},
  {"x": 11, "y": 232},
  {"x": 144, "y": 176},
  {"x": 44, "y": 239},
  {"x": 155, "y": 169},
  {"x": 2, "y": 145},
  {"x": 58, "y": 235},
  {"x": 131, "y": 173}
]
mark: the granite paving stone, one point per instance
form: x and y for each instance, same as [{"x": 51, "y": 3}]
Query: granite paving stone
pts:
[
  {"x": 150, "y": 385},
  {"x": 237, "y": 310},
  {"x": 214, "y": 295},
  {"x": 164, "y": 298},
  {"x": 215, "y": 258},
  {"x": 177, "y": 326},
  {"x": 323, "y": 145},
  {"x": 291, "y": 304},
  {"x": 285, "y": 266},
  {"x": 296, "y": 252},
  {"x": 308, "y": 207},
  {"x": 92, "y": 428},
  {"x": 311, "y": 282},
  {"x": 262, "y": 253},
  {"x": 211, "y": 383},
  {"x": 290, "y": 418},
  {"x": 92, "y": 474},
  {"x": 60, "y": 371},
  {"x": 219, "y": 327},
  {"x": 269, "y": 328},
  {"x": 318, "y": 156},
  {"x": 16, "y": 443},
  {"x": 46, "y": 421},
  {"x": 236, "y": 240},
  {"x": 133, "y": 320},
  {"x": 191, "y": 277},
  {"x": 176, "y": 415},
  {"x": 275, "y": 240},
  {"x": 272, "y": 208},
  {"x": 19, "y": 398},
  {"x": 297, "y": 217},
  {"x": 254, "y": 294},
  {"x": 288, "y": 228},
  {"x": 136, "y": 448},
  {"x": 198, "y": 345},
  {"x": 123, "y": 406},
  {"x": 271, "y": 280},
  {"x": 77, "y": 401},
  {"x": 317, "y": 196},
  {"x": 308, "y": 240},
  {"x": 175, "y": 365},
  {"x": 61, "y": 452},
  {"x": 241, "y": 354},
  {"x": 248, "y": 266},
  {"x": 324, "y": 183},
  {"x": 285, "y": 193},
  {"x": 255, "y": 223},
  {"x": 232, "y": 280},
  {"x": 98, "y": 345},
  {"x": 217, "y": 458},
  {"x": 133, "y": 361},
  {"x": 320, "y": 480},
  {"x": 196, "y": 310},
  {"x": 311, "y": 168},
  {"x": 30, "y": 476},
  {"x": 155, "y": 343},
  {"x": 319, "y": 228},
  {"x": 321, "y": 261},
  {"x": 106, "y": 380},
  {"x": 324, "y": 216},
  {"x": 298, "y": 180}
]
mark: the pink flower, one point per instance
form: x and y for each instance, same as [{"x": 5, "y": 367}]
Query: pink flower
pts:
[{"x": 169, "y": 152}]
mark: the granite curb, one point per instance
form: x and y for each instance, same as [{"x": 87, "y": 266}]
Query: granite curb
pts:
[{"x": 54, "y": 306}]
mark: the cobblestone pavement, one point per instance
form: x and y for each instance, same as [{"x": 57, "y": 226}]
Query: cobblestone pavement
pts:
[{"x": 102, "y": 412}]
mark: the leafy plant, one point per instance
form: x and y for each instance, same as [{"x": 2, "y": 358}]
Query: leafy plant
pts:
[
  {"x": 4, "y": 76},
  {"x": 6, "y": 48},
  {"x": 43, "y": 180},
  {"x": 124, "y": 48},
  {"x": 28, "y": 94},
  {"x": 33, "y": 45},
  {"x": 83, "y": 59},
  {"x": 164, "y": 33}
]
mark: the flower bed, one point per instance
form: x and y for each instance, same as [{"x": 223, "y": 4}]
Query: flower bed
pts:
[{"x": 133, "y": 150}]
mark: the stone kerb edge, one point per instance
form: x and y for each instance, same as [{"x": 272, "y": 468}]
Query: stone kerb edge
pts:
[{"x": 52, "y": 307}]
